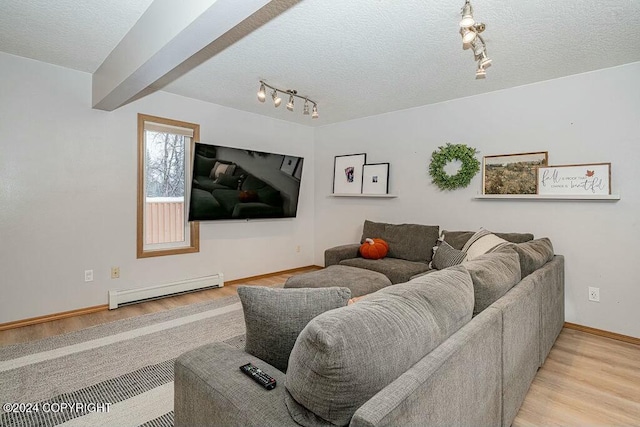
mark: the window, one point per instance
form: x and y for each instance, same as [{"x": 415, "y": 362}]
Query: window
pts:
[{"x": 164, "y": 175}]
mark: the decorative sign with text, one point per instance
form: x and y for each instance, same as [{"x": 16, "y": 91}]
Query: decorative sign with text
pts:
[{"x": 587, "y": 179}]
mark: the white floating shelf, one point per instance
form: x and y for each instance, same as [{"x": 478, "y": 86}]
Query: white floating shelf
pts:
[
  {"x": 379, "y": 196},
  {"x": 586, "y": 197}
]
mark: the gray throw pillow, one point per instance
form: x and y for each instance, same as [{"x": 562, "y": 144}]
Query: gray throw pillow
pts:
[
  {"x": 344, "y": 357},
  {"x": 446, "y": 256},
  {"x": 493, "y": 274},
  {"x": 411, "y": 242},
  {"x": 274, "y": 317}
]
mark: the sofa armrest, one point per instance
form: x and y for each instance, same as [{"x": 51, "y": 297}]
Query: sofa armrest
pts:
[
  {"x": 457, "y": 384},
  {"x": 210, "y": 390},
  {"x": 333, "y": 256}
]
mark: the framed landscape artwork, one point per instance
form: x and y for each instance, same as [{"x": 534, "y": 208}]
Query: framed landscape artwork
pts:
[
  {"x": 347, "y": 173},
  {"x": 512, "y": 173},
  {"x": 583, "y": 179},
  {"x": 375, "y": 178}
]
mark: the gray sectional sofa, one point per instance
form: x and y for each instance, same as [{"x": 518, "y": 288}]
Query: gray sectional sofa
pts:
[{"x": 458, "y": 347}]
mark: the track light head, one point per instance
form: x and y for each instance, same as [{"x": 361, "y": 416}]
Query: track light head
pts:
[
  {"x": 262, "y": 94},
  {"x": 468, "y": 35},
  {"x": 276, "y": 99},
  {"x": 467, "y": 16},
  {"x": 305, "y": 109},
  {"x": 485, "y": 61},
  {"x": 314, "y": 113},
  {"x": 481, "y": 73},
  {"x": 290, "y": 103}
]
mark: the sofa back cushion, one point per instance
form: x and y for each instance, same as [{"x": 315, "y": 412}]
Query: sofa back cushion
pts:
[
  {"x": 343, "y": 357},
  {"x": 533, "y": 254},
  {"x": 203, "y": 165},
  {"x": 493, "y": 274},
  {"x": 413, "y": 242},
  {"x": 457, "y": 239},
  {"x": 274, "y": 317}
]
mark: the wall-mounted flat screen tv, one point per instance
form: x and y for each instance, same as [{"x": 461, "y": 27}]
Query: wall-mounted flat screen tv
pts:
[{"x": 231, "y": 183}]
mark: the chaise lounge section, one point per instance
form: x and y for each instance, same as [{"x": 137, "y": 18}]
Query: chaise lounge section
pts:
[{"x": 476, "y": 371}]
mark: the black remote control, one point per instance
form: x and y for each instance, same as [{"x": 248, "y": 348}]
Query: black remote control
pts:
[{"x": 258, "y": 376}]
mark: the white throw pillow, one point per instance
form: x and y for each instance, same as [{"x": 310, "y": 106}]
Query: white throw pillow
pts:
[{"x": 481, "y": 243}]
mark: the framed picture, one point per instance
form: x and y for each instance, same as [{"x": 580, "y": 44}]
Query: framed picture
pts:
[
  {"x": 289, "y": 164},
  {"x": 375, "y": 178},
  {"x": 589, "y": 178},
  {"x": 512, "y": 173},
  {"x": 347, "y": 173}
]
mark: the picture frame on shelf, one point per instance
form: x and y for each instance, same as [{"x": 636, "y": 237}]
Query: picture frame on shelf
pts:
[
  {"x": 512, "y": 173},
  {"x": 289, "y": 164},
  {"x": 375, "y": 178},
  {"x": 578, "y": 179},
  {"x": 347, "y": 173}
]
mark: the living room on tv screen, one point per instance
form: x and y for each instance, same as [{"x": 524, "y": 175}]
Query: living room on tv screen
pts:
[{"x": 232, "y": 183}]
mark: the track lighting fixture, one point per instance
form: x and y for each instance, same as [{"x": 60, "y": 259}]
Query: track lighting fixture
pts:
[
  {"x": 292, "y": 95},
  {"x": 470, "y": 31}
]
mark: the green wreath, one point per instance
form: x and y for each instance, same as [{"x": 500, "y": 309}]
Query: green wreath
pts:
[{"x": 470, "y": 166}]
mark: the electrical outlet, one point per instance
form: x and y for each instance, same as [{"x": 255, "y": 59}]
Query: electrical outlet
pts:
[
  {"x": 88, "y": 275},
  {"x": 594, "y": 294},
  {"x": 115, "y": 272}
]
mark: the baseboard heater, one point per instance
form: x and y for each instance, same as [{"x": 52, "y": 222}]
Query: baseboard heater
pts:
[{"x": 126, "y": 297}]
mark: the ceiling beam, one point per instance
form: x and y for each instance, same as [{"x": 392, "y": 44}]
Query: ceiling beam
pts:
[{"x": 165, "y": 36}]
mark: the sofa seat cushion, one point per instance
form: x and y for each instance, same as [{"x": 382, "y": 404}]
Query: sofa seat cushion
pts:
[
  {"x": 457, "y": 239},
  {"x": 256, "y": 210},
  {"x": 345, "y": 356},
  {"x": 397, "y": 270},
  {"x": 358, "y": 280},
  {"x": 204, "y": 206},
  {"x": 413, "y": 242},
  {"x": 211, "y": 390},
  {"x": 274, "y": 317},
  {"x": 493, "y": 274},
  {"x": 227, "y": 198}
]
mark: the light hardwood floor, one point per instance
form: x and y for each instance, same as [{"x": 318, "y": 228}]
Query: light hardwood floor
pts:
[{"x": 587, "y": 380}]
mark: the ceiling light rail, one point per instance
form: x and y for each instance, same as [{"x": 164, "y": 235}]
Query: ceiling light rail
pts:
[
  {"x": 262, "y": 96},
  {"x": 470, "y": 31}
]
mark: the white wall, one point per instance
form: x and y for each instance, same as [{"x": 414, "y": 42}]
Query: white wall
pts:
[
  {"x": 593, "y": 117},
  {"x": 68, "y": 193}
]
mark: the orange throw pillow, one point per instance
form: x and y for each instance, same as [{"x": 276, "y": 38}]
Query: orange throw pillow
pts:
[{"x": 374, "y": 249}]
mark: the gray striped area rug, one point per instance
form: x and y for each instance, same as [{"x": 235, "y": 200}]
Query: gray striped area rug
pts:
[{"x": 119, "y": 373}]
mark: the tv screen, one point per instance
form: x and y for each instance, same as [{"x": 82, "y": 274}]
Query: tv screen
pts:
[{"x": 231, "y": 183}]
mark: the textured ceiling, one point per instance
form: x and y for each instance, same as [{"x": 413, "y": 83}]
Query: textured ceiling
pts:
[{"x": 355, "y": 58}]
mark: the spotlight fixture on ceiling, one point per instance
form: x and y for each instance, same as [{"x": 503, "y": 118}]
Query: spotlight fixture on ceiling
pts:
[
  {"x": 262, "y": 94},
  {"x": 470, "y": 31}
]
